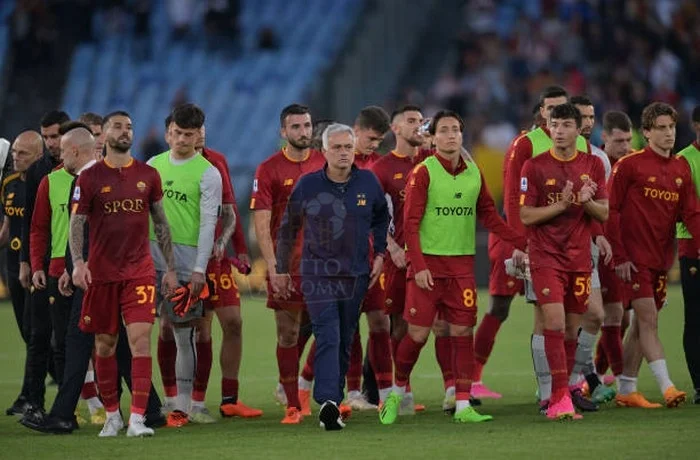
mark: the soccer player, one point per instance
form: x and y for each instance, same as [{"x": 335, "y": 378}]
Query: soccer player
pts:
[
  {"x": 115, "y": 198},
  {"x": 337, "y": 207},
  {"x": 650, "y": 191},
  {"x": 192, "y": 198},
  {"x": 617, "y": 139},
  {"x": 592, "y": 320},
  {"x": 444, "y": 198},
  {"x": 274, "y": 180},
  {"x": 94, "y": 121},
  {"x": 688, "y": 249},
  {"x": 26, "y": 149},
  {"x": 371, "y": 125},
  {"x": 562, "y": 191}
]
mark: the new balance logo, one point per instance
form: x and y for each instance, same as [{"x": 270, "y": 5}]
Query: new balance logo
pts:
[{"x": 169, "y": 183}]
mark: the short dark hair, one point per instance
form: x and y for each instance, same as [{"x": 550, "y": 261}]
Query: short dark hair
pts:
[
  {"x": 655, "y": 110},
  {"x": 71, "y": 125},
  {"x": 695, "y": 116},
  {"x": 373, "y": 117},
  {"x": 566, "y": 111},
  {"x": 168, "y": 121},
  {"x": 615, "y": 119},
  {"x": 553, "y": 91},
  {"x": 54, "y": 117},
  {"x": 188, "y": 116},
  {"x": 581, "y": 99},
  {"x": 292, "y": 109},
  {"x": 91, "y": 118},
  {"x": 403, "y": 109},
  {"x": 116, "y": 113},
  {"x": 444, "y": 114}
]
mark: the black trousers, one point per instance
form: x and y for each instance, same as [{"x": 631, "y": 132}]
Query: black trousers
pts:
[
  {"x": 59, "y": 309},
  {"x": 19, "y": 300},
  {"x": 690, "y": 282},
  {"x": 79, "y": 346}
]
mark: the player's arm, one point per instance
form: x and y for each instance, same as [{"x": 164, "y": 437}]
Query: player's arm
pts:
[
  {"x": 380, "y": 228},
  {"x": 31, "y": 184},
  {"x": 617, "y": 193},
  {"x": 289, "y": 229},
  {"x": 519, "y": 153},
  {"x": 414, "y": 210},
  {"x": 690, "y": 206},
  {"x": 261, "y": 205},
  {"x": 209, "y": 203},
  {"x": 161, "y": 228},
  {"x": 530, "y": 213},
  {"x": 488, "y": 215},
  {"x": 593, "y": 196},
  {"x": 40, "y": 231}
]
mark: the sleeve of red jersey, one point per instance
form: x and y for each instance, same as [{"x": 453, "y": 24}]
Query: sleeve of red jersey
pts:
[
  {"x": 40, "y": 229},
  {"x": 515, "y": 160},
  {"x": 489, "y": 217},
  {"x": 414, "y": 209},
  {"x": 617, "y": 189},
  {"x": 227, "y": 196},
  {"x": 261, "y": 199},
  {"x": 690, "y": 205},
  {"x": 529, "y": 188}
]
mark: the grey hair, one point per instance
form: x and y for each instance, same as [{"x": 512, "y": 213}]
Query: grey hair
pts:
[{"x": 336, "y": 128}]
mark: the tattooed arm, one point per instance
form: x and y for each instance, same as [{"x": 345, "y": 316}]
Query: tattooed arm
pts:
[
  {"x": 81, "y": 273},
  {"x": 162, "y": 231},
  {"x": 228, "y": 220}
]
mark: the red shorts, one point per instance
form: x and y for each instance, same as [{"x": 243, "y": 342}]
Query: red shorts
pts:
[
  {"x": 500, "y": 283},
  {"x": 395, "y": 288},
  {"x": 295, "y": 302},
  {"x": 611, "y": 286},
  {"x": 374, "y": 298},
  {"x": 103, "y": 303},
  {"x": 568, "y": 288},
  {"x": 226, "y": 292},
  {"x": 647, "y": 283},
  {"x": 453, "y": 298}
]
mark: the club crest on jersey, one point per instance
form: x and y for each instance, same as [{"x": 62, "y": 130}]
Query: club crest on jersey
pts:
[
  {"x": 545, "y": 291},
  {"x": 141, "y": 185},
  {"x": 76, "y": 193},
  {"x": 679, "y": 181},
  {"x": 255, "y": 185},
  {"x": 651, "y": 179},
  {"x": 523, "y": 184},
  {"x": 585, "y": 177}
]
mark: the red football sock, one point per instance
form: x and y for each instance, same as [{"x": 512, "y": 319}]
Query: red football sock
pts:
[
  {"x": 570, "y": 347},
  {"x": 611, "y": 338},
  {"x": 406, "y": 357},
  {"x": 89, "y": 391},
  {"x": 354, "y": 376},
  {"x": 443, "y": 354},
  {"x": 483, "y": 343},
  {"x": 556, "y": 357},
  {"x": 229, "y": 389},
  {"x": 308, "y": 372},
  {"x": 463, "y": 364},
  {"x": 301, "y": 342},
  {"x": 380, "y": 358},
  {"x": 203, "y": 370},
  {"x": 167, "y": 353},
  {"x": 601, "y": 355},
  {"x": 141, "y": 370},
  {"x": 106, "y": 371},
  {"x": 288, "y": 364}
]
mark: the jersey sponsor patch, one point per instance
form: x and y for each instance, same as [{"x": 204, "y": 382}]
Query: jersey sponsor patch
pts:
[
  {"x": 76, "y": 194},
  {"x": 523, "y": 184}
]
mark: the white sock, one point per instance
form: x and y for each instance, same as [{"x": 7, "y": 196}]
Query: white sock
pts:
[
  {"x": 539, "y": 360},
  {"x": 170, "y": 401},
  {"x": 584, "y": 354},
  {"x": 197, "y": 405},
  {"x": 94, "y": 404},
  {"x": 354, "y": 394},
  {"x": 462, "y": 404},
  {"x": 626, "y": 385},
  {"x": 450, "y": 392},
  {"x": 401, "y": 391},
  {"x": 280, "y": 388},
  {"x": 89, "y": 376},
  {"x": 136, "y": 419},
  {"x": 383, "y": 393},
  {"x": 185, "y": 365},
  {"x": 304, "y": 384},
  {"x": 113, "y": 414},
  {"x": 660, "y": 371}
]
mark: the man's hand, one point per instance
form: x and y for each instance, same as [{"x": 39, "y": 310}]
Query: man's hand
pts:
[
  {"x": 197, "y": 280},
  {"x": 65, "y": 285},
  {"x": 587, "y": 192},
  {"x": 519, "y": 259},
  {"x": 219, "y": 249},
  {"x": 282, "y": 286},
  {"x": 39, "y": 279},
  {"x": 424, "y": 279},
  {"x": 398, "y": 256},
  {"x": 604, "y": 248},
  {"x": 624, "y": 271},
  {"x": 81, "y": 275},
  {"x": 169, "y": 283},
  {"x": 567, "y": 195},
  {"x": 376, "y": 272},
  {"x": 25, "y": 275}
]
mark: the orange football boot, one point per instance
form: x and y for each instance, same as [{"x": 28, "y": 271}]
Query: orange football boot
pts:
[
  {"x": 239, "y": 410},
  {"x": 177, "y": 419},
  {"x": 345, "y": 411},
  {"x": 305, "y": 400},
  {"x": 635, "y": 399},
  {"x": 419, "y": 407},
  {"x": 674, "y": 397},
  {"x": 292, "y": 416}
]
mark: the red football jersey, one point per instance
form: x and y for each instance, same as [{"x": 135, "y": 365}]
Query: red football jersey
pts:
[
  {"x": 562, "y": 243},
  {"x": 648, "y": 195},
  {"x": 274, "y": 181},
  {"x": 117, "y": 203},
  {"x": 366, "y": 161}
]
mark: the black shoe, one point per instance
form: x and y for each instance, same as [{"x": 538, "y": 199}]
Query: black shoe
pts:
[
  {"x": 329, "y": 416},
  {"x": 582, "y": 403},
  {"x": 19, "y": 407},
  {"x": 696, "y": 400},
  {"x": 34, "y": 417},
  {"x": 51, "y": 424},
  {"x": 474, "y": 402},
  {"x": 156, "y": 420}
]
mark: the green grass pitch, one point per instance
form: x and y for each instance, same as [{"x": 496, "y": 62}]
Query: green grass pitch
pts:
[{"x": 518, "y": 431}]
